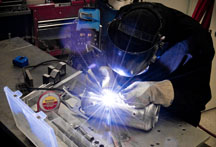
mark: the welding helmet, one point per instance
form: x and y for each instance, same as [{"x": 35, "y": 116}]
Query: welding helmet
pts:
[{"x": 133, "y": 39}]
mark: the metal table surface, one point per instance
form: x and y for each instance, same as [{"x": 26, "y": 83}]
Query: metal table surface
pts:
[
  {"x": 168, "y": 132},
  {"x": 10, "y": 75}
]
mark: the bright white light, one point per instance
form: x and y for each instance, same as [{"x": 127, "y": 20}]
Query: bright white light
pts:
[
  {"x": 120, "y": 72},
  {"x": 109, "y": 98},
  {"x": 106, "y": 81}
]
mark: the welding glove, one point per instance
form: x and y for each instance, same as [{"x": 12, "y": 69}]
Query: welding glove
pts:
[
  {"x": 101, "y": 78},
  {"x": 140, "y": 94}
]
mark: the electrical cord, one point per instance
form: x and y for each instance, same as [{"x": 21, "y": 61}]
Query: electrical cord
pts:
[
  {"x": 207, "y": 131},
  {"x": 43, "y": 63},
  {"x": 25, "y": 88},
  {"x": 208, "y": 110},
  {"x": 203, "y": 128},
  {"x": 55, "y": 89}
]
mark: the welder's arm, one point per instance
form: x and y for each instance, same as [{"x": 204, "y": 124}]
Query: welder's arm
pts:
[
  {"x": 141, "y": 94},
  {"x": 191, "y": 80}
]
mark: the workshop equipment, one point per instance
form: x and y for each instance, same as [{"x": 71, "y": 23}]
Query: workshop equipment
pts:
[
  {"x": 88, "y": 27},
  {"x": 48, "y": 101},
  {"x": 20, "y": 61},
  {"x": 204, "y": 9},
  {"x": 13, "y": 7},
  {"x": 55, "y": 76},
  {"x": 28, "y": 78},
  {"x": 14, "y": 12},
  {"x": 46, "y": 78},
  {"x": 85, "y": 44},
  {"x": 54, "y": 73},
  {"x": 53, "y": 23},
  {"x": 107, "y": 15},
  {"x": 61, "y": 66}
]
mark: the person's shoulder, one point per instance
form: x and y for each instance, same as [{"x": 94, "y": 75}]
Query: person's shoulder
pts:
[{"x": 158, "y": 5}]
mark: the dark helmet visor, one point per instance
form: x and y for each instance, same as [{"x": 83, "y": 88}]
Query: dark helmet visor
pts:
[{"x": 125, "y": 61}]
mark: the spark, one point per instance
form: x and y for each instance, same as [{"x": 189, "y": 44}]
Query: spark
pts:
[{"x": 110, "y": 98}]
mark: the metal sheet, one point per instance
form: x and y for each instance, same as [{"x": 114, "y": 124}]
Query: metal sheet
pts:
[{"x": 169, "y": 132}]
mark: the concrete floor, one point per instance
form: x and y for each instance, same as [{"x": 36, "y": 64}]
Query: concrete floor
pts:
[{"x": 208, "y": 121}]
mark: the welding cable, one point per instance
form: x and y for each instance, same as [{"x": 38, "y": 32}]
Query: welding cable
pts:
[
  {"x": 207, "y": 131},
  {"x": 203, "y": 128},
  {"x": 55, "y": 89},
  {"x": 25, "y": 89},
  {"x": 208, "y": 110},
  {"x": 43, "y": 63},
  {"x": 39, "y": 64}
]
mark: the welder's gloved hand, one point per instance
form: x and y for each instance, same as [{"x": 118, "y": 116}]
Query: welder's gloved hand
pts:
[
  {"x": 107, "y": 76},
  {"x": 140, "y": 94},
  {"x": 100, "y": 78}
]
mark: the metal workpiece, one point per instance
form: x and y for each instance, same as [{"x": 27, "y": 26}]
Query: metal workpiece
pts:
[
  {"x": 82, "y": 127},
  {"x": 76, "y": 104},
  {"x": 144, "y": 119},
  {"x": 89, "y": 137},
  {"x": 84, "y": 133},
  {"x": 71, "y": 133}
]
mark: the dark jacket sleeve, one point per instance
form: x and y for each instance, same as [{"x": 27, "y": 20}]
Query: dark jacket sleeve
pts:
[{"x": 192, "y": 78}]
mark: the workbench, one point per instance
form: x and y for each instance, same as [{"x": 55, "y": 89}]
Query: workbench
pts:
[{"x": 169, "y": 131}]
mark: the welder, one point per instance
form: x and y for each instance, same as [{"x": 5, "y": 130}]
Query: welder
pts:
[{"x": 162, "y": 56}]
